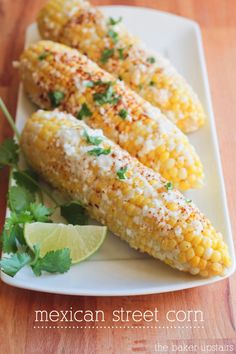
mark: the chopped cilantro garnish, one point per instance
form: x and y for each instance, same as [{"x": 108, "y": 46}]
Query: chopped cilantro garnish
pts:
[
  {"x": 169, "y": 186},
  {"x": 151, "y": 83},
  {"x": 94, "y": 140},
  {"x": 121, "y": 53},
  {"x": 97, "y": 151},
  {"x": 121, "y": 172},
  {"x": 123, "y": 113},
  {"x": 43, "y": 55},
  {"x": 107, "y": 96},
  {"x": 84, "y": 112},
  {"x": 55, "y": 98},
  {"x": 114, "y": 35},
  {"x": 151, "y": 60},
  {"x": 112, "y": 21},
  {"x": 106, "y": 55}
]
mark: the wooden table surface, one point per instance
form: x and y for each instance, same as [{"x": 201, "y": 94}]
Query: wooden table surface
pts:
[{"x": 217, "y": 19}]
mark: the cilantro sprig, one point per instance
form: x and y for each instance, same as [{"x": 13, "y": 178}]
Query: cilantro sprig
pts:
[
  {"x": 94, "y": 140},
  {"x": 25, "y": 208},
  {"x": 106, "y": 55},
  {"x": 108, "y": 95},
  {"x": 112, "y": 21}
]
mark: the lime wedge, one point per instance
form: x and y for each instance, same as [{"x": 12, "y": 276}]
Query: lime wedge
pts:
[{"x": 82, "y": 241}]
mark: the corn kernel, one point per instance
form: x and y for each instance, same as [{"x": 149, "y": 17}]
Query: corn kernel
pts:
[
  {"x": 199, "y": 251},
  {"x": 190, "y": 254},
  {"x": 216, "y": 256},
  {"x": 196, "y": 240},
  {"x": 184, "y": 246},
  {"x": 216, "y": 268},
  {"x": 195, "y": 261},
  {"x": 202, "y": 264}
]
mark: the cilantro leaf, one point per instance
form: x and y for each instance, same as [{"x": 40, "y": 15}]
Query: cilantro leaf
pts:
[
  {"x": 112, "y": 21},
  {"x": 55, "y": 98},
  {"x": 40, "y": 212},
  {"x": 121, "y": 53},
  {"x": 9, "y": 153},
  {"x": 74, "y": 213},
  {"x": 107, "y": 96},
  {"x": 53, "y": 262},
  {"x": 121, "y": 172},
  {"x": 9, "y": 240},
  {"x": 84, "y": 112},
  {"x": 106, "y": 55},
  {"x": 18, "y": 219},
  {"x": 123, "y": 113},
  {"x": 43, "y": 55},
  {"x": 24, "y": 179},
  {"x": 11, "y": 265},
  {"x": 169, "y": 186},
  {"x": 20, "y": 198},
  {"x": 97, "y": 151},
  {"x": 151, "y": 60},
  {"x": 94, "y": 140},
  {"x": 113, "y": 35},
  {"x": 13, "y": 238}
]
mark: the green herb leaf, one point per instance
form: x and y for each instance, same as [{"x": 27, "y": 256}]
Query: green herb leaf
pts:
[
  {"x": 151, "y": 60},
  {"x": 106, "y": 55},
  {"x": 123, "y": 113},
  {"x": 188, "y": 201},
  {"x": 94, "y": 140},
  {"x": 74, "y": 213},
  {"x": 107, "y": 96},
  {"x": 99, "y": 151},
  {"x": 9, "y": 153},
  {"x": 114, "y": 35},
  {"x": 112, "y": 21},
  {"x": 18, "y": 218},
  {"x": 24, "y": 179},
  {"x": 40, "y": 212},
  {"x": 121, "y": 172},
  {"x": 84, "y": 112},
  {"x": 20, "y": 198},
  {"x": 151, "y": 83},
  {"x": 11, "y": 265},
  {"x": 169, "y": 186},
  {"x": 9, "y": 240},
  {"x": 53, "y": 262},
  {"x": 121, "y": 53},
  {"x": 55, "y": 98},
  {"x": 43, "y": 56}
]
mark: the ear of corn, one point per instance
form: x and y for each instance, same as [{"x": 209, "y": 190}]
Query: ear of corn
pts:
[
  {"x": 57, "y": 76},
  {"x": 78, "y": 24},
  {"x": 118, "y": 191}
]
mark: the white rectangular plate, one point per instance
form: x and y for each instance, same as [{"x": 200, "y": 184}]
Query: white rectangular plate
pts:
[{"x": 116, "y": 269}]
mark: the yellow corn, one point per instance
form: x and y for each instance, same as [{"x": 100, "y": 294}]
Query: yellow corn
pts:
[
  {"x": 120, "y": 192},
  {"x": 78, "y": 24},
  {"x": 56, "y": 75}
]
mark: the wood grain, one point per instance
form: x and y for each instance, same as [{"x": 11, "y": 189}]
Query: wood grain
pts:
[{"x": 218, "y": 302}]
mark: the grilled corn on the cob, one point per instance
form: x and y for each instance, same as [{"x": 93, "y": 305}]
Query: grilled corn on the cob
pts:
[
  {"x": 56, "y": 75},
  {"x": 136, "y": 203},
  {"x": 106, "y": 41}
]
